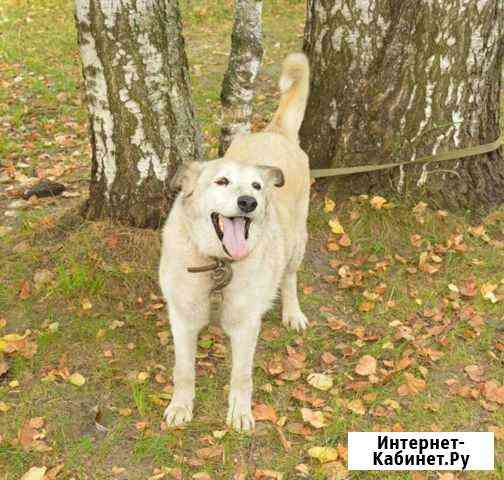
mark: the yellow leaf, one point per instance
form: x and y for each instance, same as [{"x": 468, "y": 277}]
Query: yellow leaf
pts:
[
  {"x": 328, "y": 205},
  {"x": 35, "y": 473},
  {"x": 4, "y": 407},
  {"x": 498, "y": 431},
  {"x": 487, "y": 290},
  {"x": 356, "y": 406},
  {"x": 392, "y": 404},
  {"x": 77, "y": 379},
  {"x": 378, "y": 202},
  {"x": 336, "y": 226},
  {"x": 321, "y": 381},
  {"x": 86, "y": 305},
  {"x": 323, "y": 454},
  {"x": 13, "y": 337}
]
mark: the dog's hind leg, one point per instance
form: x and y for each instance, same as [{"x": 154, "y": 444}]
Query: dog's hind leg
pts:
[
  {"x": 185, "y": 338},
  {"x": 292, "y": 316}
]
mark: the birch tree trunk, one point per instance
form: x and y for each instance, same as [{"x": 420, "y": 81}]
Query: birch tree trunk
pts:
[
  {"x": 244, "y": 62},
  {"x": 142, "y": 119},
  {"x": 399, "y": 79}
]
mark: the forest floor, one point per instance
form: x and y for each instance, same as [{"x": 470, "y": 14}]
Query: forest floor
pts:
[{"x": 405, "y": 300}]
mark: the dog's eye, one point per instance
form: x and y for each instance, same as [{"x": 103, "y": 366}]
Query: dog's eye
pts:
[
  {"x": 222, "y": 181},
  {"x": 256, "y": 185}
]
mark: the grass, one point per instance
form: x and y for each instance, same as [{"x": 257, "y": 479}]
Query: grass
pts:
[{"x": 100, "y": 313}]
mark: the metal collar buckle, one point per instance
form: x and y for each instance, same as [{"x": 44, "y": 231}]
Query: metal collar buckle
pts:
[{"x": 222, "y": 273}]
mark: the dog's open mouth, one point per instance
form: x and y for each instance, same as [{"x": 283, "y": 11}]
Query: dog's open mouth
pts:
[{"x": 233, "y": 232}]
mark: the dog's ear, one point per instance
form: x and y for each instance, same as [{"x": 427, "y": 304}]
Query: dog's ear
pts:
[
  {"x": 273, "y": 175},
  {"x": 185, "y": 177}
]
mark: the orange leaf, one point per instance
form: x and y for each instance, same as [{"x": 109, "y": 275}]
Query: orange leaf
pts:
[
  {"x": 24, "y": 291},
  {"x": 266, "y": 413}
]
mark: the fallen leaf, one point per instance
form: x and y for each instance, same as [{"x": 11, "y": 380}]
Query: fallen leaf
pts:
[
  {"x": 86, "y": 304},
  {"x": 328, "y": 358},
  {"x": 412, "y": 386},
  {"x": 366, "y": 365},
  {"x": 366, "y": 307},
  {"x": 164, "y": 337},
  {"x": 498, "y": 431},
  {"x": 263, "y": 412},
  {"x": 24, "y": 290},
  {"x": 323, "y": 454},
  {"x": 201, "y": 476},
  {"x": 41, "y": 277},
  {"x": 35, "y": 473},
  {"x": 493, "y": 391},
  {"x": 77, "y": 379},
  {"x": 404, "y": 363},
  {"x": 328, "y": 205},
  {"x": 475, "y": 372},
  {"x": 378, "y": 202},
  {"x": 392, "y": 404},
  {"x": 53, "y": 472},
  {"x": 26, "y": 435},
  {"x": 446, "y": 476},
  {"x": 356, "y": 406},
  {"x": 314, "y": 418},
  {"x": 336, "y": 226},
  {"x": 210, "y": 452},
  {"x": 299, "y": 429},
  {"x": 345, "y": 241},
  {"x": 36, "y": 422},
  {"x": 320, "y": 381},
  {"x": 416, "y": 240},
  {"x": 469, "y": 289}
]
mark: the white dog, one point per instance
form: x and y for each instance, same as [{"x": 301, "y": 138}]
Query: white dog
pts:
[{"x": 247, "y": 210}]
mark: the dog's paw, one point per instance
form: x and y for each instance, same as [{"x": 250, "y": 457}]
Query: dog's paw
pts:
[
  {"x": 240, "y": 419},
  {"x": 297, "y": 321},
  {"x": 176, "y": 415}
]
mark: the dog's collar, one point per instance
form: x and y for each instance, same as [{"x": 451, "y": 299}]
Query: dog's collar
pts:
[{"x": 222, "y": 273}]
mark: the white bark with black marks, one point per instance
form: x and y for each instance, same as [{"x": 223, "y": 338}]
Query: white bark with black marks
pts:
[
  {"x": 244, "y": 63},
  {"x": 142, "y": 119}
]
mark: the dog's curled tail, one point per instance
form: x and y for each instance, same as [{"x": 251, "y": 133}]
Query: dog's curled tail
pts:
[{"x": 294, "y": 86}]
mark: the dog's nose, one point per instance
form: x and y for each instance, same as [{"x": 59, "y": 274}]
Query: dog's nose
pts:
[{"x": 247, "y": 203}]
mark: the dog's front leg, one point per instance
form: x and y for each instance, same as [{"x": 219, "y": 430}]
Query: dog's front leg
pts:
[
  {"x": 185, "y": 337},
  {"x": 243, "y": 343}
]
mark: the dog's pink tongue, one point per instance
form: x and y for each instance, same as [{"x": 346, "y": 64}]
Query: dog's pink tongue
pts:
[{"x": 234, "y": 237}]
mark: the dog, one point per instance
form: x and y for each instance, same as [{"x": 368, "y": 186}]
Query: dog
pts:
[{"x": 247, "y": 210}]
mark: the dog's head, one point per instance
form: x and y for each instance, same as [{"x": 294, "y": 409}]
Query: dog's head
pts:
[{"x": 226, "y": 204}]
